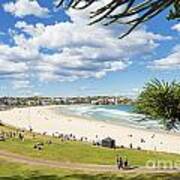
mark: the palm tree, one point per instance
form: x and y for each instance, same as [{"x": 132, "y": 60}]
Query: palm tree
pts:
[
  {"x": 132, "y": 12},
  {"x": 161, "y": 99}
]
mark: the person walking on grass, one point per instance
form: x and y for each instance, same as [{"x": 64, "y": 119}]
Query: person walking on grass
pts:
[
  {"x": 126, "y": 163},
  {"x": 119, "y": 161}
]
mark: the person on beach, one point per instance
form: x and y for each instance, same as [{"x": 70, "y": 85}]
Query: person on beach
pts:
[
  {"x": 30, "y": 128},
  {"x": 21, "y": 136}
]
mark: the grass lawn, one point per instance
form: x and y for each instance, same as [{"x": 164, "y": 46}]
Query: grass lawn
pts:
[
  {"x": 80, "y": 152},
  {"x": 14, "y": 171}
]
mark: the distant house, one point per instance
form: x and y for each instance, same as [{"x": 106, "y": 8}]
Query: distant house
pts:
[
  {"x": 9, "y": 101},
  {"x": 108, "y": 142},
  {"x": 94, "y": 102},
  {"x": 3, "y": 107},
  {"x": 57, "y": 100},
  {"x": 45, "y": 101}
]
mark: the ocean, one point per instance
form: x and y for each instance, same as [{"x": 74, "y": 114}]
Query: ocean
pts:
[{"x": 116, "y": 114}]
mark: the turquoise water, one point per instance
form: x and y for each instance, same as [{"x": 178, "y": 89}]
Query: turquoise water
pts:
[{"x": 117, "y": 114}]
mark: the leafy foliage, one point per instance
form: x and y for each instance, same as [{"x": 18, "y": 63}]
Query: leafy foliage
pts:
[
  {"x": 174, "y": 13},
  {"x": 161, "y": 99},
  {"x": 129, "y": 12}
]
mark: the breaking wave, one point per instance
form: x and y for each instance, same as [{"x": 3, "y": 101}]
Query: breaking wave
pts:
[{"x": 117, "y": 114}]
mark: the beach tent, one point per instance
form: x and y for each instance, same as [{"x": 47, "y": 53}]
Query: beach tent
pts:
[{"x": 108, "y": 142}]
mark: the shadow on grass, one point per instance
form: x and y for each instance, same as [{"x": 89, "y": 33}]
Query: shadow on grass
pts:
[{"x": 159, "y": 176}]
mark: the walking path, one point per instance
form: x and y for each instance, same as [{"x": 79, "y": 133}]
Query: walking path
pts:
[{"x": 12, "y": 157}]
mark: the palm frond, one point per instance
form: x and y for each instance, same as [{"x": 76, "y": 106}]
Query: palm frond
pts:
[{"x": 132, "y": 13}]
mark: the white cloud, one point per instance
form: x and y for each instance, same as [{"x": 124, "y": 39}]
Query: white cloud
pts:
[
  {"x": 176, "y": 27},
  {"x": 131, "y": 93},
  {"x": 68, "y": 51},
  {"x": 21, "y": 84},
  {"x": 21, "y": 8},
  {"x": 172, "y": 61},
  {"x": 30, "y": 29},
  {"x": 16, "y": 62},
  {"x": 81, "y": 51},
  {"x": 10, "y": 67}
]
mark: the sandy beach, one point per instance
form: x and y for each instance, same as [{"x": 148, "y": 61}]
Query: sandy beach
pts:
[{"x": 44, "y": 119}]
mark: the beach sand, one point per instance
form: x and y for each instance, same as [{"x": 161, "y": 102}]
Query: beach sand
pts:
[{"x": 44, "y": 119}]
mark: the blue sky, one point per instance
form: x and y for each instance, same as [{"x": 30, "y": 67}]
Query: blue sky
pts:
[{"x": 45, "y": 51}]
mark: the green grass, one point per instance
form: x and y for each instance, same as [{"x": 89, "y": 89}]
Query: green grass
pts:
[
  {"x": 74, "y": 152},
  {"x": 14, "y": 171},
  {"x": 79, "y": 152}
]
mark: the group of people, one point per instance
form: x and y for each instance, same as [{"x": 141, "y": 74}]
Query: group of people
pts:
[
  {"x": 122, "y": 164},
  {"x": 12, "y": 134}
]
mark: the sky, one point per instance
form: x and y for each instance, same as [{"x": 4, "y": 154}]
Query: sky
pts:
[{"x": 47, "y": 51}]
